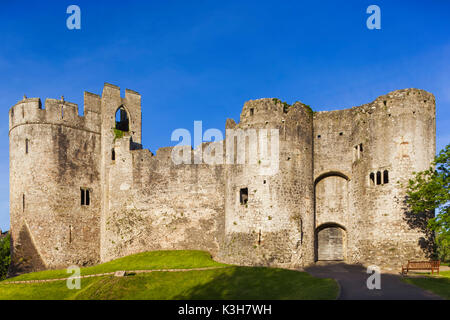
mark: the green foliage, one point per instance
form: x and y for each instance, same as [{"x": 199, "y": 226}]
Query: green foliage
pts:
[
  {"x": 285, "y": 104},
  {"x": 429, "y": 191},
  {"x": 5, "y": 256},
  {"x": 118, "y": 134},
  {"x": 309, "y": 109}
]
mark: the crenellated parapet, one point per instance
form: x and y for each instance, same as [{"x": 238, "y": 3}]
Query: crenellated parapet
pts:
[{"x": 57, "y": 112}]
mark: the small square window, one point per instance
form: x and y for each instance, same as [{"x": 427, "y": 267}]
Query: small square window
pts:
[{"x": 243, "y": 196}]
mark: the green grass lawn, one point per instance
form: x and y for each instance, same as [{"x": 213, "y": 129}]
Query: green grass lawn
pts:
[
  {"x": 440, "y": 285},
  {"x": 232, "y": 282},
  {"x": 171, "y": 259}
]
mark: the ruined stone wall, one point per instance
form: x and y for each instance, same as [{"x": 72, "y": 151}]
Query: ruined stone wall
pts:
[
  {"x": 395, "y": 133},
  {"x": 53, "y": 153},
  {"x": 158, "y": 205},
  {"x": 111, "y": 101}
]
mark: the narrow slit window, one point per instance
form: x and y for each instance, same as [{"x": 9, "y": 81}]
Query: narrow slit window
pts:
[
  {"x": 82, "y": 197},
  {"x": 85, "y": 197},
  {"x": 252, "y": 111},
  {"x": 23, "y": 202},
  {"x": 243, "y": 196},
  {"x": 259, "y": 238},
  {"x": 378, "y": 177},
  {"x": 113, "y": 154},
  {"x": 26, "y": 146},
  {"x": 385, "y": 177},
  {"x": 360, "y": 147},
  {"x": 372, "y": 178}
]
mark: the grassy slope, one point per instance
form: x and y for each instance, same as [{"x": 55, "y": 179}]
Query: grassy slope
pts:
[
  {"x": 227, "y": 283},
  {"x": 439, "y": 285},
  {"x": 175, "y": 259}
]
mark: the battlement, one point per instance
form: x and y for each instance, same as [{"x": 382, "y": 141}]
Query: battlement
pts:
[
  {"x": 395, "y": 102},
  {"x": 112, "y": 92},
  {"x": 61, "y": 112},
  {"x": 272, "y": 110},
  {"x": 58, "y": 112}
]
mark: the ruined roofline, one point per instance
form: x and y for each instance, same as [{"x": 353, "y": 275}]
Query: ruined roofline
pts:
[
  {"x": 117, "y": 88},
  {"x": 165, "y": 153},
  {"x": 389, "y": 96}
]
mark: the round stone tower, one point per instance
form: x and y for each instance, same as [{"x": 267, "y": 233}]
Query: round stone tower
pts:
[
  {"x": 399, "y": 135},
  {"x": 269, "y": 207},
  {"x": 54, "y": 183}
]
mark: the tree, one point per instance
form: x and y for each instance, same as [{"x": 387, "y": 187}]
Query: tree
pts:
[
  {"x": 428, "y": 192},
  {"x": 5, "y": 256}
]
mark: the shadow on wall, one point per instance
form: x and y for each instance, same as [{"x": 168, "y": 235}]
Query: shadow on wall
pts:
[
  {"x": 419, "y": 222},
  {"x": 25, "y": 257}
]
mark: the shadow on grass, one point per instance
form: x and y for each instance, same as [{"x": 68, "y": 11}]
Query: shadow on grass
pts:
[{"x": 255, "y": 283}]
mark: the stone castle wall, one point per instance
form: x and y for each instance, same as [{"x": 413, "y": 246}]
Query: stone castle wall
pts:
[
  {"x": 141, "y": 201},
  {"x": 158, "y": 205}
]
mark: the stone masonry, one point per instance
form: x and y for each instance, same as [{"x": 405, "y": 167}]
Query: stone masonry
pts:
[{"x": 84, "y": 191}]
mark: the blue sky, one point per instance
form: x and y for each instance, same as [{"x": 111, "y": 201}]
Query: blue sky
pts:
[{"x": 201, "y": 60}]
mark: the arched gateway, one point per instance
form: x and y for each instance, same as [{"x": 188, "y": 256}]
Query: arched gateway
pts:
[
  {"x": 330, "y": 243},
  {"x": 331, "y": 214}
]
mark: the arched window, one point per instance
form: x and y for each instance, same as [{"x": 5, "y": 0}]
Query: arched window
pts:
[
  {"x": 372, "y": 179},
  {"x": 385, "y": 176},
  {"x": 113, "y": 154},
  {"x": 122, "y": 121},
  {"x": 378, "y": 177}
]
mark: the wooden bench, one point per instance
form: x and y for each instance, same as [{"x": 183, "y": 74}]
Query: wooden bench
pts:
[{"x": 421, "y": 265}]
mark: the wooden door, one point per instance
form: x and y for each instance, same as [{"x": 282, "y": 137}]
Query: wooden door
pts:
[{"x": 330, "y": 244}]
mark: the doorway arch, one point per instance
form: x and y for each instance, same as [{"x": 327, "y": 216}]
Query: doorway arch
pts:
[{"x": 330, "y": 242}]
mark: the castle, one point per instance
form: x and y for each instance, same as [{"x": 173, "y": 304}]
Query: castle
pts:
[{"x": 84, "y": 191}]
